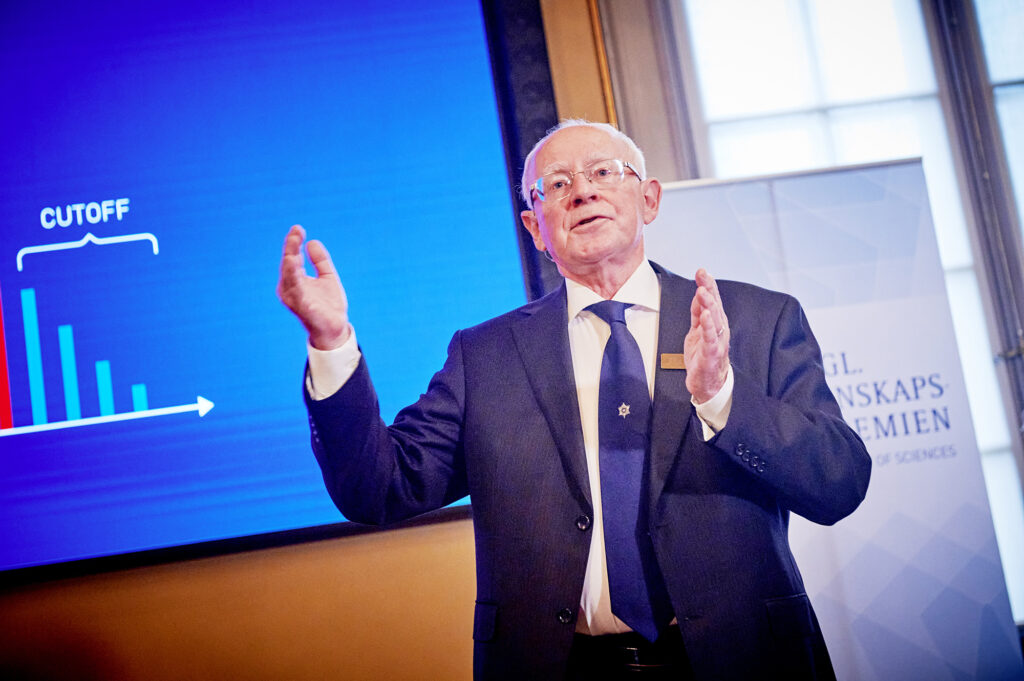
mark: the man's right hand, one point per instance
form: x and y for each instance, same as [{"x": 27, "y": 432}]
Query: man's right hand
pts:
[{"x": 319, "y": 302}]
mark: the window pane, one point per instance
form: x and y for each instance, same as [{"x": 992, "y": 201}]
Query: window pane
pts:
[
  {"x": 1010, "y": 108},
  {"x": 751, "y": 57},
  {"x": 1002, "y": 32},
  {"x": 987, "y": 411},
  {"x": 882, "y": 132},
  {"x": 871, "y": 49},
  {"x": 771, "y": 145}
]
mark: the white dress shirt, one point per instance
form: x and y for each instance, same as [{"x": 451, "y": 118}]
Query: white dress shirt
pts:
[{"x": 588, "y": 333}]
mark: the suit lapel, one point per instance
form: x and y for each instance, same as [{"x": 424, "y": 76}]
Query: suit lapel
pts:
[
  {"x": 672, "y": 408},
  {"x": 542, "y": 337}
]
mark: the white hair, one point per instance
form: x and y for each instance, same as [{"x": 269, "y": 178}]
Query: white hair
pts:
[{"x": 612, "y": 131}]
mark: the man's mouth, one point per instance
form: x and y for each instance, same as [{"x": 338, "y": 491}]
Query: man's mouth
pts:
[{"x": 587, "y": 221}]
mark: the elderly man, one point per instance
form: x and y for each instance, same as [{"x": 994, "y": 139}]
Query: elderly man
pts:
[{"x": 633, "y": 444}]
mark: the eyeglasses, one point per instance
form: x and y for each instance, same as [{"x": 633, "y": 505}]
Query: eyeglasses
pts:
[{"x": 557, "y": 185}]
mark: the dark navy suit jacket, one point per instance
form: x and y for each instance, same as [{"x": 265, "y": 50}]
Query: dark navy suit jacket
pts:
[{"x": 500, "y": 421}]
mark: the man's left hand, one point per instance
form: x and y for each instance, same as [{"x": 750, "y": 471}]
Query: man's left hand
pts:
[{"x": 706, "y": 346}]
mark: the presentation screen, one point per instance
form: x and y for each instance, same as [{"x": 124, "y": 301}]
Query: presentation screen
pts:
[{"x": 155, "y": 156}]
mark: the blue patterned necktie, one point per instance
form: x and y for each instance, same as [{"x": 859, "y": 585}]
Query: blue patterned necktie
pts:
[{"x": 624, "y": 413}]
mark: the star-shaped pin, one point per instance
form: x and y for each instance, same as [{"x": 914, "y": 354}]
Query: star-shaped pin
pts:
[{"x": 623, "y": 410}]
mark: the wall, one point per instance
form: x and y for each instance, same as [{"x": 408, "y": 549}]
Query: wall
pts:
[
  {"x": 394, "y": 605},
  {"x": 579, "y": 69}
]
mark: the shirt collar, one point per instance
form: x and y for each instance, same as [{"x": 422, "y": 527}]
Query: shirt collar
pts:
[{"x": 642, "y": 289}]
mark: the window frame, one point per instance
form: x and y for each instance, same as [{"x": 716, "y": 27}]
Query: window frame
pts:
[{"x": 966, "y": 99}]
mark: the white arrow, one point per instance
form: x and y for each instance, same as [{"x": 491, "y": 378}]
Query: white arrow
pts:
[{"x": 201, "y": 405}]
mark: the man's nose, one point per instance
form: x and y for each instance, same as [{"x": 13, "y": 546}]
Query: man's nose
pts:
[{"x": 582, "y": 189}]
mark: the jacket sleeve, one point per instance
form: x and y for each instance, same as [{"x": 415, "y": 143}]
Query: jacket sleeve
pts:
[
  {"x": 377, "y": 473},
  {"x": 785, "y": 427}
]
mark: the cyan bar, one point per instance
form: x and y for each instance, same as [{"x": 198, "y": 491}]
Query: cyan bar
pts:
[
  {"x": 139, "y": 400},
  {"x": 69, "y": 370},
  {"x": 105, "y": 387},
  {"x": 34, "y": 355}
]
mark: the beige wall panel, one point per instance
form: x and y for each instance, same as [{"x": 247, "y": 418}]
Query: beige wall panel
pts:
[
  {"x": 576, "y": 60},
  {"x": 394, "y": 605}
]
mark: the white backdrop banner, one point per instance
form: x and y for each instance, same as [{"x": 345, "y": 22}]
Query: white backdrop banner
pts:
[{"x": 910, "y": 586}]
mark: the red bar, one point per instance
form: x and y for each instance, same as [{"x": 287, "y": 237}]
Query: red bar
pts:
[{"x": 6, "y": 420}]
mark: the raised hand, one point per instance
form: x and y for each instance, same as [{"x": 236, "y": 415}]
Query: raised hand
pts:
[
  {"x": 319, "y": 302},
  {"x": 706, "y": 346}
]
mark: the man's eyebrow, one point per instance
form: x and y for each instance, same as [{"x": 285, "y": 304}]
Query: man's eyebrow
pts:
[
  {"x": 554, "y": 168},
  {"x": 558, "y": 166}
]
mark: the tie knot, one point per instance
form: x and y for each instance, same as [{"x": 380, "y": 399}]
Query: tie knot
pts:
[{"x": 610, "y": 311}]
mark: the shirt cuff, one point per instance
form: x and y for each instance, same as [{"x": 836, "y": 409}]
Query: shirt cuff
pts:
[
  {"x": 331, "y": 369},
  {"x": 714, "y": 413}
]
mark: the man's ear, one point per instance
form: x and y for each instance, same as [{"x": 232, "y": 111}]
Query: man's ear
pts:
[
  {"x": 651, "y": 190},
  {"x": 529, "y": 219}
]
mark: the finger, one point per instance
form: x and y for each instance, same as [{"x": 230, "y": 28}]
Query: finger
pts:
[
  {"x": 722, "y": 322},
  {"x": 291, "y": 271},
  {"x": 289, "y": 285},
  {"x": 293, "y": 240},
  {"x": 714, "y": 306},
  {"x": 695, "y": 309},
  {"x": 707, "y": 300},
  {"x": 711, "y": 300},
  {"x": 710, "y": 304},
  {"x": 292, "y": 265},
  {"x": 321, "y": 259},
  {"x": 708, "y": 282},
  {"x": 708, "y": 328},
  {"x": 705, "y": 279},
  {"x": 713, "y": 334},
  {"x": 721, "y": 319}
]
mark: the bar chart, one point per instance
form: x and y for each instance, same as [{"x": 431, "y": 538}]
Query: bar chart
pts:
[{"x": 64, "y": 336}]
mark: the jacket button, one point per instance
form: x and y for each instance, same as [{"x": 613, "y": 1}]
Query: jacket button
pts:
[
  {"x": 583, "y": 523},
  {"x": 741, "y": 449},
  {"x": 565, "y": 615}
]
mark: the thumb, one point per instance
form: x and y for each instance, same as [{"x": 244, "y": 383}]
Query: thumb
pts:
[{"x": 321, "y": 259}]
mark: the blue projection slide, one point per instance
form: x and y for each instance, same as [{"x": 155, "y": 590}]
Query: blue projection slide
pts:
[{"x": 155, "y": 155}]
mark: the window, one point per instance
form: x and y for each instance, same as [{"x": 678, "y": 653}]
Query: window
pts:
[
  {"x": 789, "y": 85},
  {"x": 1001, "y": 23}
]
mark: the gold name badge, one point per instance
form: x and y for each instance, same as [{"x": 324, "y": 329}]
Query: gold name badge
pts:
[{"x": 673, "y": 360}]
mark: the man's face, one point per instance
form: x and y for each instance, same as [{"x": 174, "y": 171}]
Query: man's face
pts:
[{"x": 594, "y": 228}]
